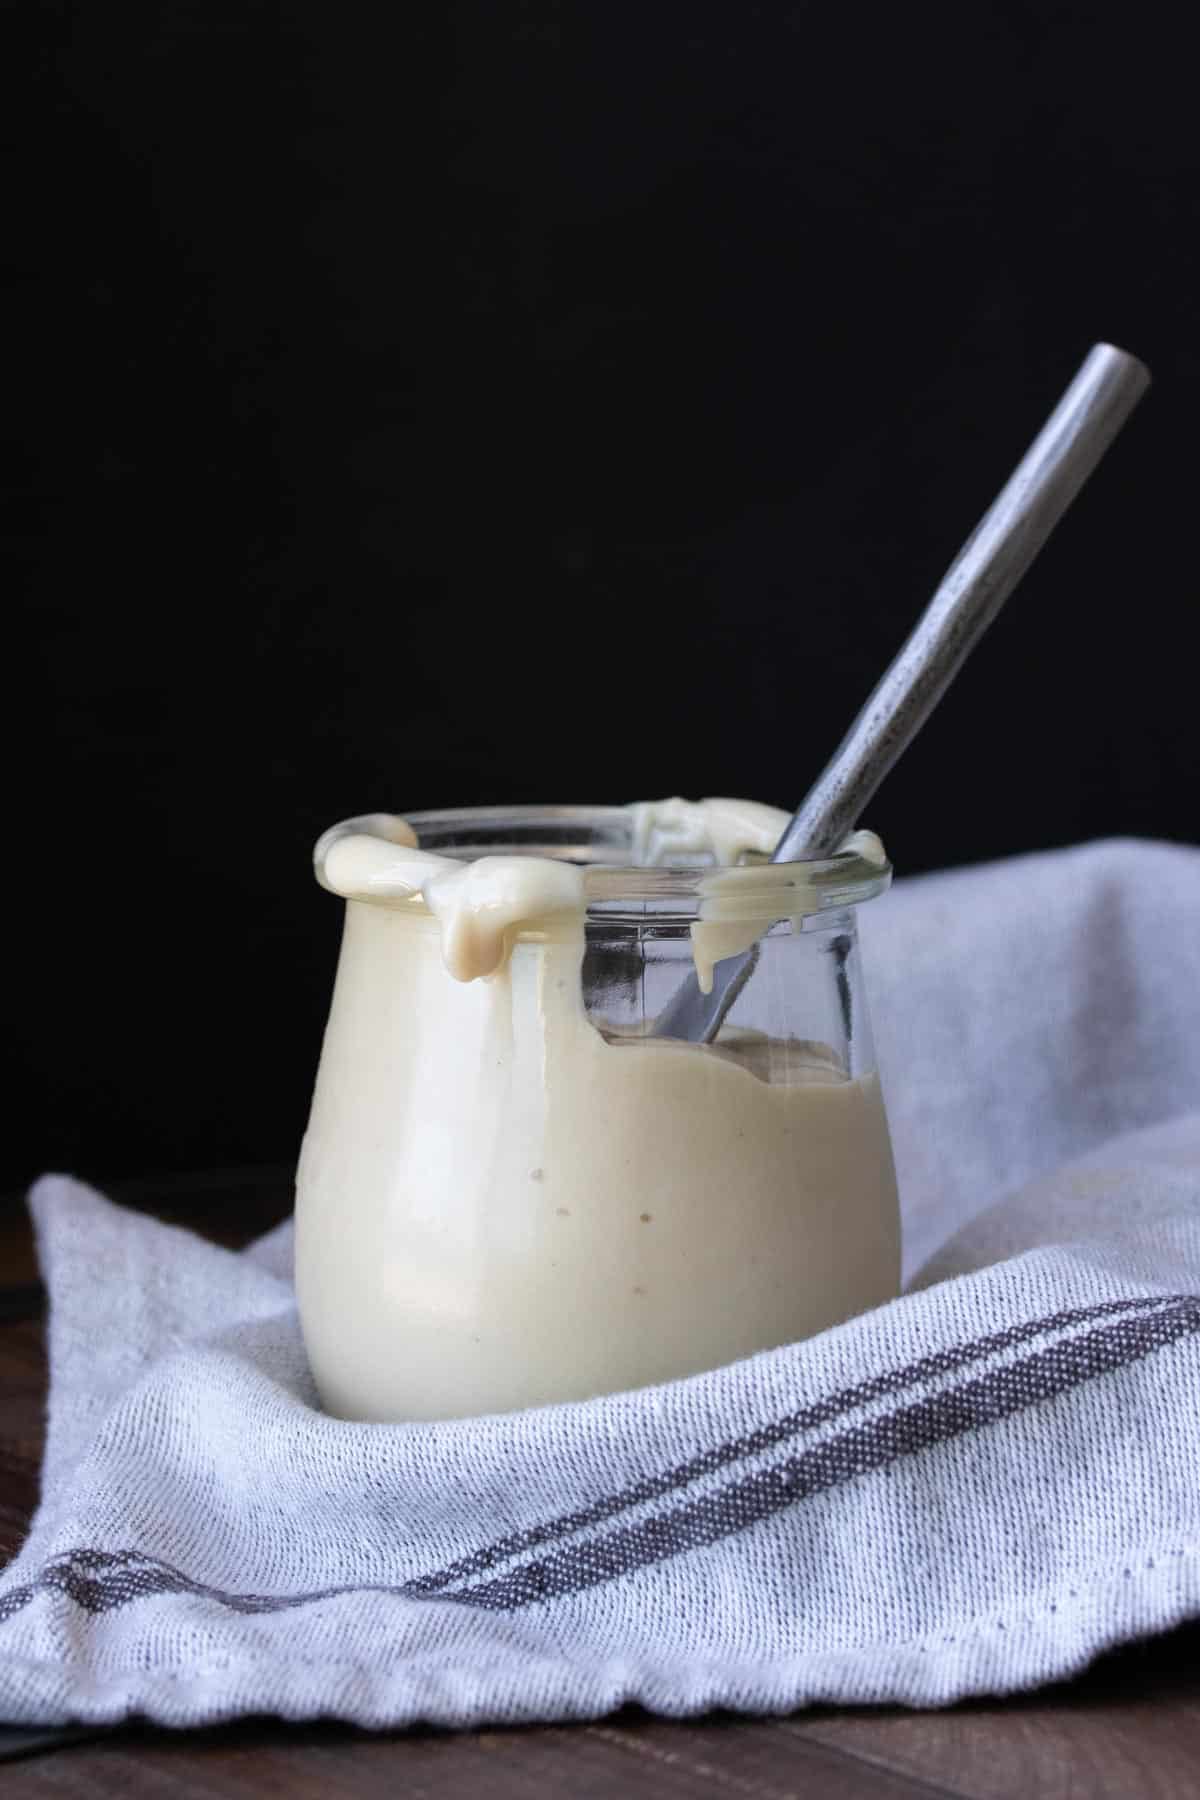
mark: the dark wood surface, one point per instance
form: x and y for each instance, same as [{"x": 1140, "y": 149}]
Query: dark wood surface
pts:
[{"x": 1128, "y": 1728}]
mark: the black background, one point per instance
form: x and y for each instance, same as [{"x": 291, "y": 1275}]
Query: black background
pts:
[{"x": 465, "y": 403}]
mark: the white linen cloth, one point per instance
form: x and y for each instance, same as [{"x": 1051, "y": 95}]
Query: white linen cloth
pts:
[{"x": 973, "y": 1489}]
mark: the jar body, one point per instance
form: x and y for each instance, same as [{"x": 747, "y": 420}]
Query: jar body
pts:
[{"x": 510, "y": 1192}]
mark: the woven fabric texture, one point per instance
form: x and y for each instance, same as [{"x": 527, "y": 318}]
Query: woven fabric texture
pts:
[{"x": 973, "y": 1489}]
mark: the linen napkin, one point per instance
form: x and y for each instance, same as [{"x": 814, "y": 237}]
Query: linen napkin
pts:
[{"x": 973, "y": 1489}]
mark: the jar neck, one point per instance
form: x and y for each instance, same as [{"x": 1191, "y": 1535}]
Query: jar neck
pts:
[{"x": 601, "y": 841}]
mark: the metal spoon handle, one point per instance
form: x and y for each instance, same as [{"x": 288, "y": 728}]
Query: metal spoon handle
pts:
[{"x": 983, "y": 575}]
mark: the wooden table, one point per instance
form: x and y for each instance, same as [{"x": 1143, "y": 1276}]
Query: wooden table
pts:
[{"x": 1129, "y": 1728}]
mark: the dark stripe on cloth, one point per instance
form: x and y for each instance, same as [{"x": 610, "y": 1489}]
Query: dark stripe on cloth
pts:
[
  {"x": 861, "y": 1450},
  {"x": 778, "y": 1431},
  {"x": 101, "y": 1581}
]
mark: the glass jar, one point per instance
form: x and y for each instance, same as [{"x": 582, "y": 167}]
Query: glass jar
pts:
[{"x": 512, "y": 1191}]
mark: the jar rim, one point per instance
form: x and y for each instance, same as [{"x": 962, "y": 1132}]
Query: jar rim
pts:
[{"x": 588, "y": 834}]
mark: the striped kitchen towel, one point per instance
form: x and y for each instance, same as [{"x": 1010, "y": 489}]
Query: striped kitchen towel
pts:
[{"x": 973, "y": 1489}]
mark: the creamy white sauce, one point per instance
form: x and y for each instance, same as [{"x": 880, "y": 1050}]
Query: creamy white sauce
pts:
[
  {"x": 726, "y": 831},
  {"x": 484, "y": 905},
  {"x": 497, "y": 1206},
  {"x": 481, "y": 905},
  {"x": 666, "y": 830}
]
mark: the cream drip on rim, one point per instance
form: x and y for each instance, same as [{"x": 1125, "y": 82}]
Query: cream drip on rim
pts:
[
  {"x": 483, "y": 905},
  {"x": 722, "y": 829}
]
